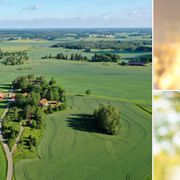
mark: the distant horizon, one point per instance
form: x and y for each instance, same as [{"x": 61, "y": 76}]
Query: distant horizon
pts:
[
  {"x": 75, "y": 14},
  {"x": 86, "y": 28}
]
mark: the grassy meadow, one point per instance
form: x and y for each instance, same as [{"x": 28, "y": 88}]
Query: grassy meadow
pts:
[{"x": 71, "y": 146}]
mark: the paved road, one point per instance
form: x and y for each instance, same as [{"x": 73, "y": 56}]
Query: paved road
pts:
[{"x": 8, "y": 153}]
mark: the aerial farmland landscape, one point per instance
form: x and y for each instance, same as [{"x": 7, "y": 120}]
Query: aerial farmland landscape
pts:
[{"x": 76, "y": 103}]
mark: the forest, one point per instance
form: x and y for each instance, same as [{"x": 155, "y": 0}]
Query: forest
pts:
[{"x": 116, "y": 45}]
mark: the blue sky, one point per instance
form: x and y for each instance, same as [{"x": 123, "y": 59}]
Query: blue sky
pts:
[{"x": 75, "y": 13}]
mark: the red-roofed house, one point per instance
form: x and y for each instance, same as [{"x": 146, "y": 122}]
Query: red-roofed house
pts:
[
  {"x": 42, "y": 101},
  {"x": 1, "y": 95},
  {"x": 13, "y": 96}
]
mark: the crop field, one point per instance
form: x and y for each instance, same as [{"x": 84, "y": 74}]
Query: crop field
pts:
[
  {"x": 114, "y": 81},
  {"x": 72, "y": 147},
  {"x": 3, "y": 163}
]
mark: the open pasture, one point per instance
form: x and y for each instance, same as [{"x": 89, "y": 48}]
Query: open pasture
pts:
[
  {"x": 114, "y": 81},
  {"x": 72, "y": 147}
]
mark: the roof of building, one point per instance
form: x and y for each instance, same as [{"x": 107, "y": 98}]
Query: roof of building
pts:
[
  {"x": 135, "y": 62},
  {"x": 1, "y": 94},
  {"x": 53, "y": 102},
  {"x": 42, "y": 101}
]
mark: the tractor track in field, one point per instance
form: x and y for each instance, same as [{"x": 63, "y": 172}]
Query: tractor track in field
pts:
[
  {"x": 25, "y": 172},
  {"x": 126, "y": 154},
  {"x": 43, "y": 167},
  {"x": 128, "y": 128},
  {"x": 49, "y": 148},
  {"x": 84, "y": 161},
  {"x": 87, "y": 104},
  {"x": 52, "y": 138},
  {"x": 74, "y": 141},
  {"x": 148, "y": 160},
  {"x": 137, "y": 113},
  {"x": 72, "y": 101},
  {"x": 98, "y": 102}
]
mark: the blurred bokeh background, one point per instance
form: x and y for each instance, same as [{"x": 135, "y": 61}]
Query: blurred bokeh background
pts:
[
  {"x": 166, "y": 146},
  {"x": 166, "y": 44}
]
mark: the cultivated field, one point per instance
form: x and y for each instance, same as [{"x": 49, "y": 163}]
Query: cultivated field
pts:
[
  {"x": 72, "y": 148},
  {"x": 114, "y": 81}
]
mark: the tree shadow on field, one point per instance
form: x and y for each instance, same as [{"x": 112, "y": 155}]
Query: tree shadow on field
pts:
[
  {"x": 83, "y": 122},
  {"x": 3, "y": 104},
  {"x": 80, "y": 95},
  {"x": 5, "y": 85}
]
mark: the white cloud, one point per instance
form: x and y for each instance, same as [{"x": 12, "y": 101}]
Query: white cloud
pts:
[
  {"x": 1, "y": 2},
  {"x": 32, "y": 8},
  {"x": 104, "y": 3}
]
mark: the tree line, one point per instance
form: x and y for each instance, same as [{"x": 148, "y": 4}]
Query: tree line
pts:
[
  {"x": 116, "y": 45},
  {"x": 14, "y": 58},
  {"x": 104, "y": 57}
]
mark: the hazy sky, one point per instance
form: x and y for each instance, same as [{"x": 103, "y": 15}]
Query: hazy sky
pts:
[{"x": 75, "y": 13}]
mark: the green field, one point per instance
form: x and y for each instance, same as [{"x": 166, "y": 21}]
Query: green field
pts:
[
  {"x": 72, "y": 148},
  {"x": 114, "y": 81},
  {"x": 3, "y": 162}
]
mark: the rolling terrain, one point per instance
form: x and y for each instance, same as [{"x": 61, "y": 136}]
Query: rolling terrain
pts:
[{"x": 72, "y": 147}]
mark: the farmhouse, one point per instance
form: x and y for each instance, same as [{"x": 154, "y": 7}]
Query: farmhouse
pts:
[
  {"x": 42, "y": 101},
  {"x": 135, "y": 63},
  {"x": 1, "y": 95}
]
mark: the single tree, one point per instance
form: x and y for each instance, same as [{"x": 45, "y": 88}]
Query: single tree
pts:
[{"x": 88, "y": 92}]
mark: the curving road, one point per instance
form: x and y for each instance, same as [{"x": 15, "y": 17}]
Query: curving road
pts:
[{"x": 8, "y": 153}]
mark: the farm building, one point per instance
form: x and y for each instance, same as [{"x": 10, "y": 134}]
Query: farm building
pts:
[
  {"x": 53, "y": 102},
  {"x": 135, "y": 63},
  {"x": 42, "y": 101},
  {"x": 13, "y": 96},
  {"x": 1, "y": 95}
]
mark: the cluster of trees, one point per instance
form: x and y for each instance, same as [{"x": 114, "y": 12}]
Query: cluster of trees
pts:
[
  {"x": 10, "y": 132},
  {"x": 108, "y": 119},
  {"x": 32, "y": 142},
  {"x": 145, "y": 59},
  {"x": 12, "y": 38},
  {"x": 14, "y": 58},
  {"x": 116, "y": 45},
  {"x": 107, "y": 57},
  {"x": 77, "y": 57},
  {"x": 37, "y": 89}
]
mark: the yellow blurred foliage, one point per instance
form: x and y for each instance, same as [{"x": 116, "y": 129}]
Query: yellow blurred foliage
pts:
[
  {"x": 167, "y": 66},
  {"x": 165, "y": 166}
]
